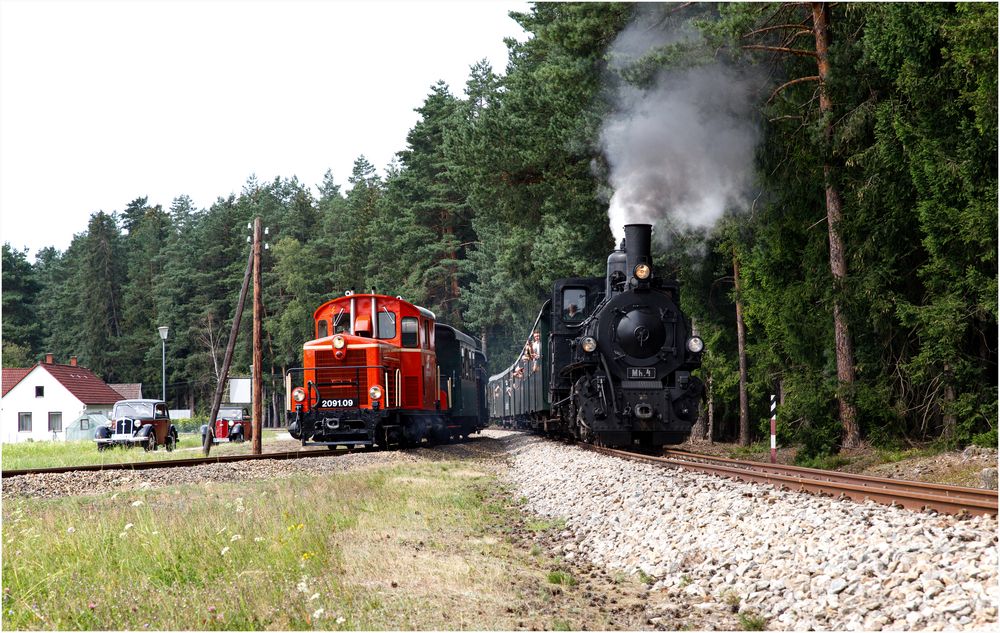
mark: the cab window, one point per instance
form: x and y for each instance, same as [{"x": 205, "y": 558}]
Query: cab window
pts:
[
  {"x": 161, "y": 411},
  {"x": 386, "y": 324},
  {"x": 322, "y": 329},
  {"x": 427, "y": 336},
  {"x": 408, "y": 331},
  {"x": 574, "y": 304}
]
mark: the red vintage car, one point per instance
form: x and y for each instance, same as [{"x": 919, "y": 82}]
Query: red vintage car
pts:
[{"x": 231, "y": 425}]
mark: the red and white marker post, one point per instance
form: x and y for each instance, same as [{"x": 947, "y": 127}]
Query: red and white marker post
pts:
[{"x": 774, "y": 424}]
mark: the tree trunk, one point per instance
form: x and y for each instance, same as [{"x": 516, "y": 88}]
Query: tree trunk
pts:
[
  {"x": 741, "y": 345},
  {"x": 949, "y": 420},
  {"x": 838, "y": 263}
]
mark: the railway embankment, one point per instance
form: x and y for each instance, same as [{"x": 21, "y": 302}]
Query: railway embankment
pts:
[{"x": 715, "y": 550}]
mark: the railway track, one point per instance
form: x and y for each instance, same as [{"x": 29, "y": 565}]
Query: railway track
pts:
[
  {"x": 178, "y": 463},
  {"x": 913, "y": 495}
]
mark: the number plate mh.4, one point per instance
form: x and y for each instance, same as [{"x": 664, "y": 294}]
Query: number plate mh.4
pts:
[
  {"x": 642, "y": 373},
  {"x": 336, "y": 402}
]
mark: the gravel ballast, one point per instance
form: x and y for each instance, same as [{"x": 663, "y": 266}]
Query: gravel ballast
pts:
[{"x": 798, "y": 561}]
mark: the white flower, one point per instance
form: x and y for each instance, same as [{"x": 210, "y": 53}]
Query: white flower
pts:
[
  {"x": 318, "y": 612},
  {"x": 235, "y": 537},
  {"x": 313, "y": 597},
  {"x": 224, "y": 550},
  {"x": 258, "y": 539},
  {"x": 71, "y": 529},
  {"x": 155, "y": 532},
  {"x": 341, "y": 619},
  {"x": 302, "y": 587},
  {"x": 136, "y": 504},
  {"x": 129, "y": 526}
]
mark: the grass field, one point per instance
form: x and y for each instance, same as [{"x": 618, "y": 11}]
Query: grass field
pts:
[
  {"x": 417, "y": 546},
  {"x": 83, "y": 452}
]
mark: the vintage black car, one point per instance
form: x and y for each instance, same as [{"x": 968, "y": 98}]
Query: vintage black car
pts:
[{"x": 144, "y": 423}]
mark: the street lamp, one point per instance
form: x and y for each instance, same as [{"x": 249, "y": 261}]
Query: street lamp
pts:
[{"x": 163, "y": 336}]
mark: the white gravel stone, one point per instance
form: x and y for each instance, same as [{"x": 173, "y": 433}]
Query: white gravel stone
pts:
[{"x": 802, "y": 561}]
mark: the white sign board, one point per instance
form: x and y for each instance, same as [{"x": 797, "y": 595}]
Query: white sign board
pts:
[{"x": 240, "y": 390}]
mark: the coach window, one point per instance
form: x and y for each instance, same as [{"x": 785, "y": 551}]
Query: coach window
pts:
[
  {"x": 574, "y": 304},
  {"x": 324, "y": 329},
  {"x": 386, "y": 324},
  {"x": 408, "y": 332}
]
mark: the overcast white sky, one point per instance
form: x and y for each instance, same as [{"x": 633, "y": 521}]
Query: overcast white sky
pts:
[{"x": 103, "y": 102}]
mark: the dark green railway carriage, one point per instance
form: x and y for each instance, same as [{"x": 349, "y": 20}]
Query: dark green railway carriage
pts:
[
  {"x": 463, "y": 378},
  {"x": 518, "y": 397}
]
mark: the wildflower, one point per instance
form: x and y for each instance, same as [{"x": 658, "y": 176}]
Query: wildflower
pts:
[
  {"x": 302, "y": 586},
  {"x": 155, "y": 532},
  {"x": 136, "y": 504},
  {"x": 211, "y": 609},
  {"x": 318, "y": 612},
  {"x": 258, "y": 539},
  {"x": 235, "y": 537},
  {"x": 71, "y": 529},
  {"x": 224, "y": 550},
  {"x": 313, "y": 597},
  {"x": 92, "y": 605},
  {"x": 129, "y": 526},
  {"x": 341, "y": 619}
]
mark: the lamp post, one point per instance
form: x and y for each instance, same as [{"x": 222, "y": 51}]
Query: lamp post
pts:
[{"x": 163, "y": 336}]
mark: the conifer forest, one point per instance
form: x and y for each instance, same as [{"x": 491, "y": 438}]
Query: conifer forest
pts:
[{"x": 822, "y": 180}]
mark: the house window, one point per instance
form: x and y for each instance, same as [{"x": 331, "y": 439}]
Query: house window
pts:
[
  {"x": 24, "y": 422},
  {"x": 40, "y": 391},
  {"x": 55, "y": 421},
  {"x": 85, "y": 424}
]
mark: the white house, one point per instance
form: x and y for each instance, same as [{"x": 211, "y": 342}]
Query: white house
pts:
[{"x": 38, "y": 401}]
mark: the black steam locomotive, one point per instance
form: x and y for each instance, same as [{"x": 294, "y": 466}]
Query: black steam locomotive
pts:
[{"x": 608, "y": 360}]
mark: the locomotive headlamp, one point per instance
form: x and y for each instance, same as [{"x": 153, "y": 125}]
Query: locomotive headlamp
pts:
[
  {"x": 642, "y": 271},
  {"x": 299, "y": 394},
  {"x": 339, "y": 342},
  {"x": 375, "y": 392},
  {"x": 695, "y": 345},
  {"x": 588, "y": 344}
]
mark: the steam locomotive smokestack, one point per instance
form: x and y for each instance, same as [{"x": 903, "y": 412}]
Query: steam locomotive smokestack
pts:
[{"x": 637, "y": 251}]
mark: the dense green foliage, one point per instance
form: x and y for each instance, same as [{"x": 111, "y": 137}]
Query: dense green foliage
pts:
[{"x": 502, "y": 190}]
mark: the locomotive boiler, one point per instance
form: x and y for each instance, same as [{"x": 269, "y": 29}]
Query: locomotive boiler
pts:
[{"x": 609, "y": 360}]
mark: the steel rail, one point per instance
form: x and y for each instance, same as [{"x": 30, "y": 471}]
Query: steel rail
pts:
[
  {"x": 958, "y": 492},
  {"x": 176, "y": 463},
  {"x": 908, "y": 494}
]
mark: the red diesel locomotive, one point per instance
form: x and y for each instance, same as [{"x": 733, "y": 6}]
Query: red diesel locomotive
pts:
[{"x": 382, "y": 372}]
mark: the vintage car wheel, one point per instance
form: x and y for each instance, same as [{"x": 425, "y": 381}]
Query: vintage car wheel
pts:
[
  {"x": 150, "y": 443},
  {"x": 170, "y": 443}
]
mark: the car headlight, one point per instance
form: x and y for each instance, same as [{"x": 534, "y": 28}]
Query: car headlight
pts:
[
  {"x": 298, "y": 394},
  {"x": 588, "y": 344},
  {"x": 642, "y": 271},
  {"x": 339, "y": 342},
  {"x": 375, "y": 392},
  {"x": 695, "y": 345}
]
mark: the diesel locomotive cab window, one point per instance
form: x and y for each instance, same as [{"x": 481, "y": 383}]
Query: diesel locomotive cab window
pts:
[
  {"x": 323, "y": 327},
  {"x": 408, "y": 332},
  {"x": 574, "y": 304},
  {"x": 386, "y": 325}
]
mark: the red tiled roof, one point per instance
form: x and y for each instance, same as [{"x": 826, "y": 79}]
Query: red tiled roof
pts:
[
  {"x": 12, "y": 376},
  {"x": 83, "y": 384},
  {"x": 128, "y": 390}
]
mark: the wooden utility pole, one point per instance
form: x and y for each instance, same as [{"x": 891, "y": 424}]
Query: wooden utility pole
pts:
[
  {"x": 217, "y": 400},
  {"x": 258, "y": 312}
]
